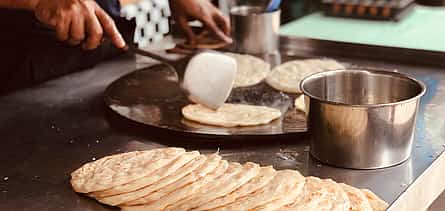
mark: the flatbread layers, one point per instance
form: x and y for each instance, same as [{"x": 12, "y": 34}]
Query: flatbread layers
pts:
[{"x": 173, "y": 179}]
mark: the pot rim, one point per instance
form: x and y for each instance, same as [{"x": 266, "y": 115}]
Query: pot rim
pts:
[{"x": 370, "y": 70}]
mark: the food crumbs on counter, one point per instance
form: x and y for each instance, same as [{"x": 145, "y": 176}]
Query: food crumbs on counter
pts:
[
  {"x": 5, "y": 178},
  {"x": 93, "y": 158},
  {"x": 97, "y": 141}
]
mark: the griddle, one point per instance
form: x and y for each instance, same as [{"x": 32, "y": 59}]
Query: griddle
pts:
[{"x": 152, "y": 97}]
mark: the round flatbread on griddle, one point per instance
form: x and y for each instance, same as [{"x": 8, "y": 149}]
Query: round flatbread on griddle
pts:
[
  {"x": 231, "y": 115},
  {"x": 251, "y": 70},
  {"x": 287, "y": 76}
]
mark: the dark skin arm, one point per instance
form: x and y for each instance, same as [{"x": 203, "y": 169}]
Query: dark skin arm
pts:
[
  {"x": 74, "y": 21},
  {"x": 83, "y": 22}
]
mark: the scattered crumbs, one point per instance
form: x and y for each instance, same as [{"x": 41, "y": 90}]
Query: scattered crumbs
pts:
[
  {"x": 5, "y": 178},
  {"x": 97, "y": 141},
  {"x": 52, "y": 126},
  {"x": 93, "y": 158},
  {"x": 319, "y": 165}
]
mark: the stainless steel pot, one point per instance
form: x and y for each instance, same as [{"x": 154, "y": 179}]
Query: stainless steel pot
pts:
[
  {"x": 362, "y": 118},
  {"x": 255, "y": 31}
]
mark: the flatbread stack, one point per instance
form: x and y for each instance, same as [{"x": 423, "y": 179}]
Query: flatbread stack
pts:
[
  {"x": 287, "y": 76},
  {"x": 173, "y": 179}
]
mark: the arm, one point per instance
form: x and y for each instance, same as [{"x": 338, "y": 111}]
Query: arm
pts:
[{"x": 74, "y": 21}]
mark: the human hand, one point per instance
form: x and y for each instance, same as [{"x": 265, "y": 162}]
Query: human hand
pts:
[
  {"x": 204, "y": 11},
  {"x": 78, "y": 22}
]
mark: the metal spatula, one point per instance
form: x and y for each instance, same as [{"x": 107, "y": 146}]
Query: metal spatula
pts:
[{"x": 207, "y": 77}]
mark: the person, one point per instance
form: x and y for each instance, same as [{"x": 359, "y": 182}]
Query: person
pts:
[{"x": 45, "y": 38}]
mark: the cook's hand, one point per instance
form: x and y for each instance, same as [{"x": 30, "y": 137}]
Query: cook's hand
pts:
[
  {"x": 204, "y": 11},
  {"x": 78, "y": 22}
]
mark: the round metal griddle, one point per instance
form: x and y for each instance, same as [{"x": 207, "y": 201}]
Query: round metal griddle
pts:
[{"x": 152, "y": 96}]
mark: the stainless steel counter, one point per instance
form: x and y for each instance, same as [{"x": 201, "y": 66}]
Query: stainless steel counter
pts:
[{"x": 50, "y": 130}]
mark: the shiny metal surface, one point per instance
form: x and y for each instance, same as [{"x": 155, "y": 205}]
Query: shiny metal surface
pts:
[
  {"x": 254, "y": 31},
  {"x": 152, "y": 96},
  {"x": 362, "y": 118},
  {"x": 50, "y": 130}
]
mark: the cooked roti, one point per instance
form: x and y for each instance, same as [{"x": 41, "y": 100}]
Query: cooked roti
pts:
[
  {"x": 320, "y": 194},
  {"x": 265, "y": 175},
  {"x": 120, "y": 169},
  {"x": 114, "y": 200},
  {"x": 227, "y": 183},
  {"x": 377, "y": 204},
  {"x": 182, "y": 192},
  {"x": 150, "y": 179},
  {"x": 231, "y": 115},
  {"x": 147, "y": 197},
  {"x": 284, "y": 199},
  {"x": 251, "y": 70},
  {"x": 358, "y": 199},
  {"x": 282, "y": 184},
  {"x": 287, "y": 76}
]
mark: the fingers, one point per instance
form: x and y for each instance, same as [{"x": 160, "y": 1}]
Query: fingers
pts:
[
  {"x": 95, "y": 33},
  {"x": 211, "y": 24},
  {"x": 77, "y": 31},
  {"x": 110, "y": 28},
  {"x": 183, "y": 23},
  {"x": 62, "y": 29},
  {"x": 223, "y": 22}
]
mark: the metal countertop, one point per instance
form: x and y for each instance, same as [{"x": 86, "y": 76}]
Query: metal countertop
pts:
[{"x": 50, "y": 130}]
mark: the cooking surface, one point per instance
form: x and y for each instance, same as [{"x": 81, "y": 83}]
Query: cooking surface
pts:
[
  {"x": 50, "y": 130},
  {"x": 152, "y": 96}
]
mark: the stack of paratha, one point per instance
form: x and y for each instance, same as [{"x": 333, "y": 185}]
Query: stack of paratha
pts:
[{"x": 173, "y": 179}]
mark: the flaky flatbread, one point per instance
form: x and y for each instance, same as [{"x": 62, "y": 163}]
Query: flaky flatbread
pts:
[
  {"x": 181, "y": 192},
  {"x": 280, "y": 185},
  {"x": 251, "y": 70},
  {"x": 231, "y": 115},
  {"x": 231, "y": 180},
  {"x": 120, "y": 169},
  {"x": 287, "y": 76},
  {"x": 149, "y": 179},
  {"x": 265, "y": 175}
]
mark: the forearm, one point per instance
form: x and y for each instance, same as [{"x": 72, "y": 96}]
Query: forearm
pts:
[{"x": 18, "y": 4}]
